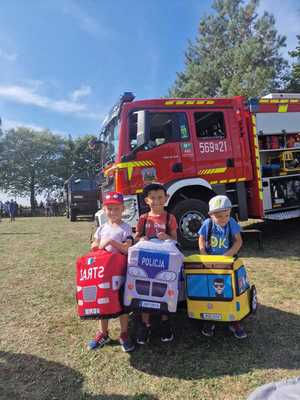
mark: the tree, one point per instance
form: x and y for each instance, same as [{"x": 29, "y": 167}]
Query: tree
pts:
[
  {"x": 235, "y": 53},
  {"x": 78, "y": 157},
  {"x": 33, "y": 162},
  {"x": 293, "y": 80},
  {"x": 29, "y": 162}
]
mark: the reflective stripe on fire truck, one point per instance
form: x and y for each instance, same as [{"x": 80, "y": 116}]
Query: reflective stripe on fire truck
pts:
[
  {"x": 227, "y": 181},
  {"x": 188, "y": 102},
  {"x": 257, "y": 161},
  {"x": 130, "y": 165},
  {"x": 212, "y": 171},
  {"x": 283, "y": 104}
]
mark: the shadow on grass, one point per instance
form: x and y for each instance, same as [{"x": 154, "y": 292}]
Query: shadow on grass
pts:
[
  {"x": 280, "y": 240},
  {"x": 27, "y": 377},
  {"x": 273, "y": 342}
]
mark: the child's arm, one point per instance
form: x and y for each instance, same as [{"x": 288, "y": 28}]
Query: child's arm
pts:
[
  {"x": 164, "y": 236},
  {"x": 95, "y": 244},
  {"x": 122, "y": 247},
  {"x": 237, "y": 244},
  {"x": 139, "y": 230},
  {"x": 201, "y": 242}
]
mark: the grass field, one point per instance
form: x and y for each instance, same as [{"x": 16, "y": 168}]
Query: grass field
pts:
[{"x": 43, "y": 343}]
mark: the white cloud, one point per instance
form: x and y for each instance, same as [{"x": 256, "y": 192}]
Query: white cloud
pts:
[
  {"x": 83, "y": 91},
  {"x": 12, "y": 124},
  {"x": 29, "y": 96},
  {"x": 7, "y": 56},
  {"x": 85, "y": 21}
]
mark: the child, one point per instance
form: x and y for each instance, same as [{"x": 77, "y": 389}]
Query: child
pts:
[
  {"x": 114, "y": 236},
  {"x": 162, "y": 225},
  {"x": 220, "y": 235}
]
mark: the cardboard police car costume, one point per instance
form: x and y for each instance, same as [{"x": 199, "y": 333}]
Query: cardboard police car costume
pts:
[
  {"x": 217, "y": 288},
  {"x": 153, "y": 276},
  {"x": 99, "y": 277}
]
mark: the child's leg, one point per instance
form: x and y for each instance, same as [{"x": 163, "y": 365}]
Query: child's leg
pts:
[
  {"x": 143, "y": 333},
  {"x": 101, "y": 337},
  {"x": 146, "y": 319},
  {"x": 103, "y": 325},
  {"x": 124, "y": 323},
  {"x": 125, "y": 341},
  {"x": 167, "y": 334},
  {"x": 237, "y": 330}
]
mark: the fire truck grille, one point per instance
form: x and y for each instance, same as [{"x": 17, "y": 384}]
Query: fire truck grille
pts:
[{"x": 89, "y": 293}]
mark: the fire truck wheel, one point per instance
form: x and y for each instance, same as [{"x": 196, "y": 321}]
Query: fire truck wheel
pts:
[
  {"x": 190, "y": 215},
  {"x": 73, "y": 216}
]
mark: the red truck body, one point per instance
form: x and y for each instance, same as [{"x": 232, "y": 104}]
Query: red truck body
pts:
[{"x": 201, "y": 147}]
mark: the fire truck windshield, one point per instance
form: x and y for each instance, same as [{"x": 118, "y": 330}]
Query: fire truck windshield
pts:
[{"x": 110, "y": 137}]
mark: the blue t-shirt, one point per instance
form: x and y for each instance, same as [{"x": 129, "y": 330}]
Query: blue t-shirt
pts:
[{"x": 219, "y": 239}]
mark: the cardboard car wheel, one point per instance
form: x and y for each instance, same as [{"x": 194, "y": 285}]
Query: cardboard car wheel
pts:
[{"x": 253, "y": 299}]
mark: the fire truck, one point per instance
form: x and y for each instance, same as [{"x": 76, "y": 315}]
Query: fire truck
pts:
[{"x": 200, "y": 147}]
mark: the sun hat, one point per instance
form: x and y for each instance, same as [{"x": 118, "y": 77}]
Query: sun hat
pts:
[
  {"x": 113, "y": 198},
  {"x": 219, "y": 203}
]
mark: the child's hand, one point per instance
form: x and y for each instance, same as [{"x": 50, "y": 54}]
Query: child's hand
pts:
[
  {"x": 144, "y": 238},
  {"x": 163, "y": 236},
  {"x": 104, "y": 243}
]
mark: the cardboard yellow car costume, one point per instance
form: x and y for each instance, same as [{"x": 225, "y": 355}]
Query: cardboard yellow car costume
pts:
[{"x": 217, "y": 288}]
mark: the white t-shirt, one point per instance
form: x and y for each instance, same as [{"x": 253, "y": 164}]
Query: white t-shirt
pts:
[{"x": 119, "y": 233}]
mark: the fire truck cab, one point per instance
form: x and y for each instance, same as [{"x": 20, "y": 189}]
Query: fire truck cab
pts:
[{"x": 201, "y": 147}]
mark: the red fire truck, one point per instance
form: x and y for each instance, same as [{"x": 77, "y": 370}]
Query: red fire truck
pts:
[{"x": 248, "y": 150}]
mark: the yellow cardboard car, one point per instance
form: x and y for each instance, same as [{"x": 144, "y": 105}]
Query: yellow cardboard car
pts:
[{"x": 217, "y": 288}]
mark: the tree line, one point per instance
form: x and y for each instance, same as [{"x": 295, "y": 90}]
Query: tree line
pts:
[{"x": 32, "y": 162}]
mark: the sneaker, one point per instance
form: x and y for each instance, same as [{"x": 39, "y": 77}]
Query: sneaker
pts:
[
  {"x": 208, "y": 330},
  {"x": 99, "y": 341},
  {"x": 167, "y": 334},
  {"x": 126, "y": 344},
  {"x": 238, "y": 331},
  {"x": 143, "y": 334}
]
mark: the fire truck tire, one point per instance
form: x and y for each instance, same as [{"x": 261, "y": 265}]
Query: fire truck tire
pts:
[
  {"x": 73, "y": 216},
  {"x": 190, "y": 215}
]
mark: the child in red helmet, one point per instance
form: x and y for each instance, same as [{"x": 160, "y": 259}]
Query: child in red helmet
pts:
[{"x": 114, "y": 236}]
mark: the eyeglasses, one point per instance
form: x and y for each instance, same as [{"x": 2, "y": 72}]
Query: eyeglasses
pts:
[{"x": 219, "y": 285}]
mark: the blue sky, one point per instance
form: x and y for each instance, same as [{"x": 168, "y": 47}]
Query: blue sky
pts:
[{"x": 65, "y": 62}]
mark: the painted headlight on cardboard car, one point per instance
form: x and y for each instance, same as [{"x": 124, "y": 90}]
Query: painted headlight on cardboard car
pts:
[
  {"x": 137, "y": 272},
  {"x": 166, "y": 276}
]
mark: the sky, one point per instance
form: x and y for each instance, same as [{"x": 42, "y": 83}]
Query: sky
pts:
[{"x": 64, "y": 63}]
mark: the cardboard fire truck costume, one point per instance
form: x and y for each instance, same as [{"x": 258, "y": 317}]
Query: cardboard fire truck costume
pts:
[
  {"x": 99, "y": 277},
  {"x": 153, "y": 276},
  {"x": 217, "y": 288}
]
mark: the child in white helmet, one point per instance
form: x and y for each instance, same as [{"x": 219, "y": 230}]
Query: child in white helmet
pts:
[{"x": 221, "y": 235}]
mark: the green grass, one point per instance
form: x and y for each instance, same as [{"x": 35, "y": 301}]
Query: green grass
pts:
[{"x": 43, "y": 343}]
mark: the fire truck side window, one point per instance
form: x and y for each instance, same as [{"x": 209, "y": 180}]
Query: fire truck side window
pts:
[
  {"x": 209, "y": 124},
  {"x": 162, "y": 128}
]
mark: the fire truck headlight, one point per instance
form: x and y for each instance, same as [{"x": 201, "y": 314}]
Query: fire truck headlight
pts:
[
  {"x": 166, "y": 276},
  {"x": 137, "y": 272}
]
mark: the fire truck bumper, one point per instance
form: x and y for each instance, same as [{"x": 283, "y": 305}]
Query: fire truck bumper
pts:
[{"x": 130, "y": 215}]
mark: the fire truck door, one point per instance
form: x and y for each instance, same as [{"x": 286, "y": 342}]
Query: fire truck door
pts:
[
  {"x": 214, "y": 148},
  {"x": 162, "y": 149}
]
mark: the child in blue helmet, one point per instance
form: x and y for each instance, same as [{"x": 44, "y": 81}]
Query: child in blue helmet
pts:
[{"x": 221, "y": 235}]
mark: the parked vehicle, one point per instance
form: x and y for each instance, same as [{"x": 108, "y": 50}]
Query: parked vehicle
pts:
[
  {"x": 81, "y": 195},
  {"x": 197, "y": 148}
]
